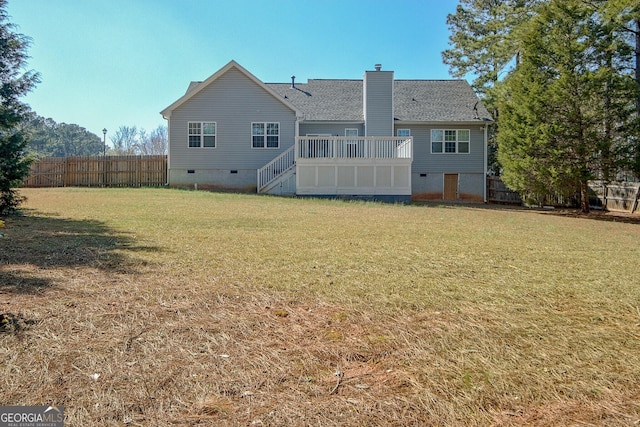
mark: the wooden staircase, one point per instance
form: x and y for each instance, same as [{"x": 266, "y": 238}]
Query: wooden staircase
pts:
[{"x": 278, "y": 176}]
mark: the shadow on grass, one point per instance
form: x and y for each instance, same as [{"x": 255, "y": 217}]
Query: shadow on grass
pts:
[
  {"x": 47, "y": 242},
  {"x": 595, "y": 215},
  {"x": 623, "y": 217},
  {"x": 20, "y": 283}
]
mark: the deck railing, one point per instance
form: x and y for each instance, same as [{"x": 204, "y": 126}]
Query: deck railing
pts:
[{"x": 353, "y": 147}]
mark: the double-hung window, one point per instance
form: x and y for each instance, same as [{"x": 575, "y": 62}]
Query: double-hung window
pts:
[
  {"x": 450, "y": 141},
  {"x": 202, "y": 134},
  {"x": 265, "y": 135}
]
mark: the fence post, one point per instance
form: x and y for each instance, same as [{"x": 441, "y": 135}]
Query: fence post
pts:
[
  {"x": 635, "y": 203},
  {"x": 65, "y": 171}
]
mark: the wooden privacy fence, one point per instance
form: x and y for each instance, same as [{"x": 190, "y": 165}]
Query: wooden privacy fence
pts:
[
  {"x": 498, "y": 192},
  {"x": 615, "y": 196},
  {"x": 98, "y": 171}
]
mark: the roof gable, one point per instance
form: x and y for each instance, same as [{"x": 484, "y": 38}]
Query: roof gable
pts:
[{"x": 196, "y": 87}]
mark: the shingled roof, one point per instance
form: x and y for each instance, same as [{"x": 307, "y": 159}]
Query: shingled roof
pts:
[
  {"x": 431, "y": 101},
  {"x": 324, "y": 99},
  {"x": 414, "y": 100}
]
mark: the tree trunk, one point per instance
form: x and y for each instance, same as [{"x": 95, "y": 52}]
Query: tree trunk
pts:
[
  {"x": 638, "y": 64},
  {"x": 606, "y": 163},
  {"x": 636, "y": 160},
  {"x": 584, "y": 196}
]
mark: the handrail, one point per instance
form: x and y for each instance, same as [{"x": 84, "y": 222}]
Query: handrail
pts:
[{"x": 275, "y": 168}]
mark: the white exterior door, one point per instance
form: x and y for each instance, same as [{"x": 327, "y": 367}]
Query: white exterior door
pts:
[{"x": 352, "y": 146}]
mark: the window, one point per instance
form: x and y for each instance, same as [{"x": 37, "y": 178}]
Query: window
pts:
[
  {"x": 463, "y": 141},
  {"x": 450, "y": 141},
  {"x": 202, "y": 134},
  {"x": 403, "y": 132},
  {"x": 265, "y": 135}
]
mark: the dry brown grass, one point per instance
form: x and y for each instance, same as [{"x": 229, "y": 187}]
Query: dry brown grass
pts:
[{"x": 166, "y": 307}]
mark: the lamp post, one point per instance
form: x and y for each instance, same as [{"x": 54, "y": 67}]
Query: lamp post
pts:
[{"x": 104, "y": 141}]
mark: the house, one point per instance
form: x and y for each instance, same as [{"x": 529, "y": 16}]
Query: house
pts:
[{"x": 374, "y": 138}]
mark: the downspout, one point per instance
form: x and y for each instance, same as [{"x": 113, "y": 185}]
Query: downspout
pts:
[
  {"x": 168, "y": 146},
  {"x": 297, "y": 134},
  {"x": 299, "y": 118},
  {"x": 484, "y": 189}
]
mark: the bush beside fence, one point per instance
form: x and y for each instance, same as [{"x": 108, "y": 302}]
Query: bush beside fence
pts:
[{"x": 98, "y": 171}]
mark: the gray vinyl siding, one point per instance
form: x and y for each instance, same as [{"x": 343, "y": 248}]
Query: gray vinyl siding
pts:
[
  {"x": 233, "y": 101},
  {"x": 333, "y": 129},
  {"x": 378, "y": 103},
  {"x": 426, "y": 162}
]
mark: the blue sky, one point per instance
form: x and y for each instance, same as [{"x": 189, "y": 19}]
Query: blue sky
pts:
[{"x": 108, "y": 63}]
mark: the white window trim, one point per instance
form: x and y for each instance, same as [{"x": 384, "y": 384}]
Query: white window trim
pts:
[
  {"x": 201, "y": 135},
  {"x": 265, "y": 136},
  {"x": 346, "y": 131},
  {"x": 398, "y": 131},
  {"x": 444, "y": 142}
]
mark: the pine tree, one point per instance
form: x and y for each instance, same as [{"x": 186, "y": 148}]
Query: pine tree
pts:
[
  {"x": 623, "y": 16},
  {"x": 14, "y": 83},
  {"x": 485, "y": 39},
  {"x": 565, "y": 106},
  {"x": 485, "y": 43}
]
